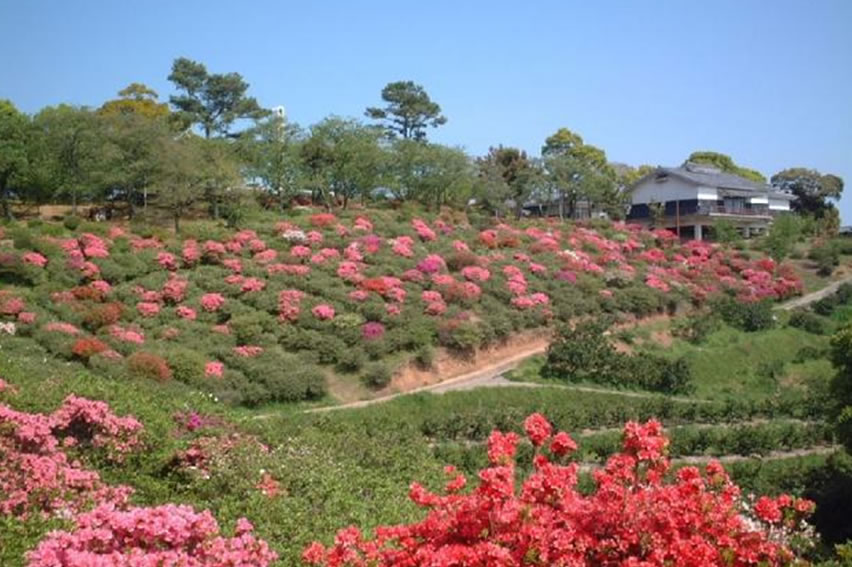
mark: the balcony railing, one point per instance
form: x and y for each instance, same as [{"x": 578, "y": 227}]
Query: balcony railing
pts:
[{"x": 706, "y": 209}]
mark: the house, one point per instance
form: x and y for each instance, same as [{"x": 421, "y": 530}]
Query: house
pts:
[{"x": 690, "y": 199}]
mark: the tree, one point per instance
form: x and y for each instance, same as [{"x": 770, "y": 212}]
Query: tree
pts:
[
  {"x": 408, "y": 112},
  {"x": 14, "y": 137},
  {"x": 273, "y": 151},
  {"x": 180, "y": 180},
  {"x": 578, "y": 171},
  {"x": 213, "y": 101},
  {"x": 509, "y": 175},
  {"x": 627, "y": 175},
  {"x": 68, "y": 150},
  {"x": 344, "y": 159},
  {"x": 783, "y": 235},
  {"x": 813, "y": 190},
  {"x": 725, "y": 163},
  {"x": 430, "y": 173},
  {"x": 136, "y": 99}
]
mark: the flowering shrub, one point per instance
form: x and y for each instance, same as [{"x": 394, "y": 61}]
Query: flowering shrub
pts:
[
  {"x": 214, "y": 369},
  {"x": 185, "y": 312},
  {"x": 148, "y": 365},
  {"x": 323, "y": 312},
  {"x": 148, "y": 308},
  {"x": 164, "y": 535},
  {"x": 634, "y": 516},
  {"x": 37, "y": 477},
  {"x": 35, "y": 259},
  {"x": 212, "y": 301},
  {"x": 372, "y": 330},
  {"x": 87, "y": 347}
]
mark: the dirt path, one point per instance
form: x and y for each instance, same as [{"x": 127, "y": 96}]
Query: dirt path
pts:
[
  {"x": 480, "y": 376},
  {"x": 814, "y": 296}
]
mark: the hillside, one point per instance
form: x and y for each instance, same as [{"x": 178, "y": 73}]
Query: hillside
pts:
[{"x": 198, "y": 335}]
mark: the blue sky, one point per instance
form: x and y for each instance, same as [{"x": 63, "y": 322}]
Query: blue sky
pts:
[{"x": 768, "y": 82}]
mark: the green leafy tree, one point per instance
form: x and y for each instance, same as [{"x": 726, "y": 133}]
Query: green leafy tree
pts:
[
  {"x": 725, "y": 163},
  {"x": 14, "y": 161},
  {"x": 344, "y": 159},
  {"x": 725, "y": 232},
  {"x": 214, "y": 101},
  {"x": 782, "y": 237},
  {"x": 130, "y": 154},
  {"x": 841, "y": 385},
  {"x": 627, "y": 175},
  {"x": 69, "y": 150},
  {"x": 510, "y": 175},
  {"x": 183, "y": 175},
  {"x": 408, "y": 112},
  {"x": 273, "y": 151},
  {"x": 578, "y": 171},
  {"x": 430, "y": 173},
  {"x": 814, "y": 191}
]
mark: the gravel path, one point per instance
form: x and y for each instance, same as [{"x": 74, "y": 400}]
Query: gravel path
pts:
[{"x": 815, "y": 296}]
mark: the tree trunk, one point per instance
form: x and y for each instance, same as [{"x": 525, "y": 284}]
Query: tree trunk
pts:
[
  {"x": 4, "y": 198},
  {"x": 177, "y": 221},
  {"x": 74, "y": 203}
]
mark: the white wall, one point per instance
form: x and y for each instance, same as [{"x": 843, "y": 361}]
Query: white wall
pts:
[
  {"x": 779, "y": 205},
  {"x": 671, "y": 189}
]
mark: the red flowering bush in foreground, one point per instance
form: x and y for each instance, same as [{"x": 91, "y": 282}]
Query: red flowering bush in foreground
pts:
[
  {"x": 165, "y": 535},
  {"x": 635, "y": 516}
]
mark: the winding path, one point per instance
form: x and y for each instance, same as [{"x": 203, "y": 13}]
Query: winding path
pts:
[{"x": 809, "y": 298}]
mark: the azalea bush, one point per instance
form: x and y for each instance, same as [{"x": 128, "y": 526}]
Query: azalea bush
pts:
[{"x": 635, "y": 515}]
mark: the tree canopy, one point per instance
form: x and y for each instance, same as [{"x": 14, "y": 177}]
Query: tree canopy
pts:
[
  {"x": 214, "y": 101},
  {"x": 408, "y": 112},
  {"x": 14, "y": 137},
  {"x": 138, "y": 99},
  {"x": 813, "y": 190},
  {"x": 725, "y": 163}
]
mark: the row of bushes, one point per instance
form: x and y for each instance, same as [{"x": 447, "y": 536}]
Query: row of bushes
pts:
[
  {"x": 741, "y": 440},
  {"x": 584, "y": 353},
  {"x": 473, "y": 415}
]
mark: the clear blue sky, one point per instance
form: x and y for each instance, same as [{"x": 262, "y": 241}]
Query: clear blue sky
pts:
[{"x": 767, "y": 81}]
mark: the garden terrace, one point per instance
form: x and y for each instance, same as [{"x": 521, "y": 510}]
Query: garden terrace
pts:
[{"x": 353, "y": 296}]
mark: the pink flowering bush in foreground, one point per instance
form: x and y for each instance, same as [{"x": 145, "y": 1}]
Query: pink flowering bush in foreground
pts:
[
  {"x": 38, "y": 477},
  {"x": 635, "y": 517},
  {"x": 165, "y": 535}
]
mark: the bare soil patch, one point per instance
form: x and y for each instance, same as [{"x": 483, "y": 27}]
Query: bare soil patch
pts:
[{"x": 448, "y": 365}]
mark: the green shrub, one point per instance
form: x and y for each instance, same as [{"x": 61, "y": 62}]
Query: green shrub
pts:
[
  {"x": 377, "y": 375},
  {"x": 187, "y": 365},
  {"x": 749, "y": 316},
  {"x": 695, "y": 327},
  {"x": 351, "y": 360},
  {"x": 71, "y": 222},
  {"x": 808, "y": 321},
  {"x": 425, "y": 356},
  {"x": 827, "y": 257}
]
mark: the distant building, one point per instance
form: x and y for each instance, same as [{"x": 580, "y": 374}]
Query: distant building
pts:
[
  {"x": 691, "y": 198},
  {"x": 845, "y": 231}
]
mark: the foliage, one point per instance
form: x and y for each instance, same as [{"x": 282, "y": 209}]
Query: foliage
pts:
[
  {"x": 725, "y": 163},
  {"x": 584, "y": 353},
  {"x": 564, "y": 525},
  {"x": 783, "y": 234},
  {"x": 812, "y": 189},
  {"x": 746, "y": 316},
  {"x": 212, "y": 100},
  {"x": 408, "y": 112}
]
